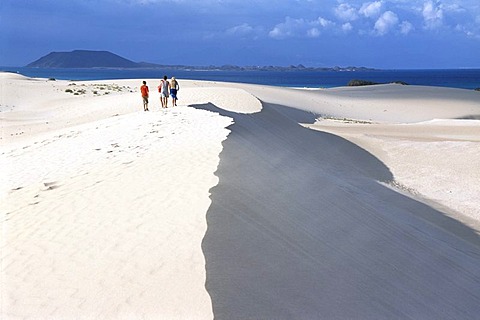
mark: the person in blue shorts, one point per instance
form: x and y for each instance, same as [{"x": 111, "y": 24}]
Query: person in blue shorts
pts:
[{"x": 174, "y": 88}]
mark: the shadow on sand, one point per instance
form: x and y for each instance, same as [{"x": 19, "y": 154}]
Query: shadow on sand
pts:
[{"x": 300, "y": 228}]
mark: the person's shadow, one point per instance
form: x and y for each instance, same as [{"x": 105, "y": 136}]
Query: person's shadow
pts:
[{"x": 301, "y": 227}]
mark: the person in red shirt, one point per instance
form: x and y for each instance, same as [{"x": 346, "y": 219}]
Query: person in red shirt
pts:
[{"x": 144, "y": 91}]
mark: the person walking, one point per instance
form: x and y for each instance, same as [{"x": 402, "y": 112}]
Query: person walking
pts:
[
  {"x": 164, "y": 88},
  {"x": 144, "y": 92},
  {"x": 174, "y": 87}
]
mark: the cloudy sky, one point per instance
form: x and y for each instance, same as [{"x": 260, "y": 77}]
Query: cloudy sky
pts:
[{"x": 380, "y": 34}]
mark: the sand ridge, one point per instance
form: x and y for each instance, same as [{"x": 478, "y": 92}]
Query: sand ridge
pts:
[{"x": 300, "y": 223}]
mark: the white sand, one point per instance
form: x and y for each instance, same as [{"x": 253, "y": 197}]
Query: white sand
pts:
[
  {"x": 105, "y": 208},
  {"x": 438, "y": 161},
  {"x": 105, "y": 218}
]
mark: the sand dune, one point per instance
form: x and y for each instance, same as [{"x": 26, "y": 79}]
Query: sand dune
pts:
[
  {"x": 300, "y": 223},
  {"x": 245, "y": 202}
]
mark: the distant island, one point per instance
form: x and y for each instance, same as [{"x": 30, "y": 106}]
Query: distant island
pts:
[
  {"x": 82, "y": 59},
  {"x": 105, "y": 59}
]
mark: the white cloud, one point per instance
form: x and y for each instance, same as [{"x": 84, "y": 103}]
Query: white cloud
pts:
[
  {"x": 241, "y": 30},
  {"x": 469, "y": 31},
  {"x": 453, "y": 8},
  {"x": 432, "y": 15},
  {"x": 347, "y": 27},
  {"x": 287, "y": 29},
  {"x": 346, "y": 12},
  {"x": 278, "y": 33},
  {"x": 299, "y": 27},
  {"x": 324, "y": 22},
  {"x": 313, "y": 33},
  {"x": 371, "y": 9},
  {"x": 406, "y": 27},
  {"x": 387, "y": 21}
]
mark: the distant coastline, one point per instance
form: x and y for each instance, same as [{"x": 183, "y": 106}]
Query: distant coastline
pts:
[
  {"x": 87, "y": 59},
  {"x": 103, "y": 65}
]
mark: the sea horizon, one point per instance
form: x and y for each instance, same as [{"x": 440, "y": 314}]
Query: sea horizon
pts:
[{"x": 462, "y": 78}]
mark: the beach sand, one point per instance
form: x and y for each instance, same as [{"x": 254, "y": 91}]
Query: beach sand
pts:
[{"x": 244, "y": 202}]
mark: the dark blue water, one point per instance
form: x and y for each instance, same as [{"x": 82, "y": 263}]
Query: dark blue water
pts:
[{"x": 458, "y": 78}]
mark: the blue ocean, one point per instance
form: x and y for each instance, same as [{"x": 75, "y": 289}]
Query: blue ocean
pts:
[{"x": 455, "y": 78}]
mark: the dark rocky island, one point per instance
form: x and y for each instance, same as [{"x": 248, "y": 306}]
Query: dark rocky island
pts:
[
  {"x": 82, "y": 59},
  {"x": 359, "y": 83},
  {"x": 105, "y": 59}
]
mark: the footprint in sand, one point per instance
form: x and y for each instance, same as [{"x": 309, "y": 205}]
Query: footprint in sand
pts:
[{"x": 50, "y": 186}]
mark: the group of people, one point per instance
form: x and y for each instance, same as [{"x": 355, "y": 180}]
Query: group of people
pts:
[{"x": 166, "y": 89}]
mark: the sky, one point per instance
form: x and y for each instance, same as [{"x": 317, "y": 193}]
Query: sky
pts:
[{"x": 388, "y": 34}]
